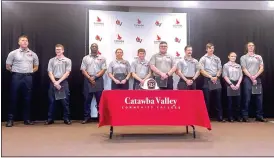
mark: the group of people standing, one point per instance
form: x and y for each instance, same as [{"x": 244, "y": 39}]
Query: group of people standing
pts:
[{"x": 23, "y": 62}]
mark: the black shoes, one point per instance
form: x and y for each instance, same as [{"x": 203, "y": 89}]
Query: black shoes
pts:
[
  {"x": 28, "y": 122},
  {"x": 260, "y": 119},
  {"x": 86, "y": 120},
  {"x": 49, "y": 122},
  {"x": 68, "y": 122}
]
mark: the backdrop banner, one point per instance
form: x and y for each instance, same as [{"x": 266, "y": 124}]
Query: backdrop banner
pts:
[{"x": 133, "y": 30}]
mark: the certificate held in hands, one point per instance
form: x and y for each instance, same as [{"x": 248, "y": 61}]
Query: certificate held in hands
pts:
[
  {"x": 60, "y": 94},
  {"x": 231, "y": 92},
  {"x": 120, "y": 76},
  {"x": 214, "y": 86},
  {"x": 161, "y": 83}
]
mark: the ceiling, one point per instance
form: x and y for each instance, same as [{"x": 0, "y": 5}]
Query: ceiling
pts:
[{"x": 246, "y": 5}]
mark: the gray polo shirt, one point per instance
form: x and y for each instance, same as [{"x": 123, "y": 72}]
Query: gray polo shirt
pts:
[
  {"x": 251, "y": 63},
  {"x": 233, "y": 71},
  {"x": 140, "y": 68},
  {"x": 58, "y": 67},
  {"x": 188, "y": 67},
  {"x": 93, "y": 64},
  {"x": 162, "y": 62},
  {"x": 211, "y": 64},
  {"x": 22, "y": 61},
  {"x": 117, "y": 67}
]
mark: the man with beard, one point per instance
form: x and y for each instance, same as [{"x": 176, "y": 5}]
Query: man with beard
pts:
[{"x": 93, "y": 68}]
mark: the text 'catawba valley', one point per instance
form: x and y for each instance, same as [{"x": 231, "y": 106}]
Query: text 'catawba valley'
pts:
[{"x": 155, "y": 100}]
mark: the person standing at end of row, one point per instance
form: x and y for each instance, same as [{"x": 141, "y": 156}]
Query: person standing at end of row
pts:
[
  {"x": 22, "y": 62},
  {"x": 93, "y": 68},
  {"x": 119, "y": 71},
  {"x": 253, "y": 66},
  {"x": 233, "y": 75},
  {"x": 163, "y": 66},
  {"x": 188, "y": 70},
  {"x": 211, "y": 69},
  {"x": 140, "y": 69},
  {"x": 59, "y": 69}
]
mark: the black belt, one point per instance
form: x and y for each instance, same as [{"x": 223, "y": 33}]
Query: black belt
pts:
[{"x": 22, "y": 74}]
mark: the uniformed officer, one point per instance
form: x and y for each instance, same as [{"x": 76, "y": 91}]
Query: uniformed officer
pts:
[
  {"x": 163, "y": 65},
  {"x": 93, "y": 68},
  {"x": 59, "y": 69},
  {"x": 188, "y": 70},
  {"x": 233, "y": 75},
  {"x": 253, "y": 66},
  {"x": 211, "y": 69},
  {"x": 140, "y": 69},
  {"x": 119, "y": 71},
  {"x": 22, "y": 62}
]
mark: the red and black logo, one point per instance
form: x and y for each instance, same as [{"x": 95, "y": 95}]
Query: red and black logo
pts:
[
  {"x": 157, "y": 23},
  {"x": 98, "y": 38},
  {"x": 138, "y": 39},
  {"x": 151, "y": 83},
  {"x": 139, "y": 24},
  {"x": 99, "y": 52},
  {"x": 177, "y": 24},
  {"x": 177, "y": 40},
  {"x": 118, "y": 22},
  {"x": 158, "y": 39},
  {"x": 119, "y": 39},
  {"x": 177, "y": 54},
  {"x": 98, "y": 22}
]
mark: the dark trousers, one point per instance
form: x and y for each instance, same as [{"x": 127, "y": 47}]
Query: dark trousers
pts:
[
  {"x": 185, "y": 86},
  {"x": 20, "y": 83},
  {"x": 64, "y": 102},
  {"x": 217, "y": 97},
  {"x": 169, "y": 84},
  {"x": 234, "y": 110},
  {"x": 135, "y": 83},
  {"x": 247, "y": 83},
  {"x": 88, "y": 98},
  {"x": 115, "y": 86}
]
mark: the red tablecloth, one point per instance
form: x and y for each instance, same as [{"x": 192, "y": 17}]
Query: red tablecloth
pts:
[{"x": 153, "y": 107}]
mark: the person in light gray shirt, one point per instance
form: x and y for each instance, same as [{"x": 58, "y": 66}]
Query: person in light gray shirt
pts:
[
  {"x": 188, "y": 70},
  {"x": 163, "y": 65},
  {"x": 22, "y": 63},
  {"x": 119, "y": 71},
  {"x": 211, "y": 69},
  {"x": 59, "y": 68},
  {"x": 253, "y": 66},
  {"x": 140, "y": 69},
  {"x": 93, "y": 68},
  {"x": 232, "y": 73}
]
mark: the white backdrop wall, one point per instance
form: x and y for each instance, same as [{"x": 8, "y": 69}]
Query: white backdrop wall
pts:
[{"x": 133, "y": 30}]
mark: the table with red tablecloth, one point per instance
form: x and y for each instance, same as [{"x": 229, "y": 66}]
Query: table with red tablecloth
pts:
[{"x": 153, "y": 107}]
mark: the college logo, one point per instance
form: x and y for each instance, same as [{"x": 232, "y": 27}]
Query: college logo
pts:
[
  {"x": 151, "y": 83},
  {"x": 157, "y": 23},
  {"x": 98, "y": 22},
  {"x": 118, "y": 22},
  {"x": 178, "y": 55},
  {"x": 138, "y": 39},
  {"x": 177, "y": 40},
  {"x": 177, "y": 24},
  {"x": 139, "y": 24},
  {"x": 99, "y": 53},
  {"x": 158, "y": 40},
  {"x": 119, "y": 39},
  {"x": 98, "y": 38}
]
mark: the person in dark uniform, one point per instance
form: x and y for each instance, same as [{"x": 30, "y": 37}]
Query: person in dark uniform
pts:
[
  {"x": 163, "y": 65},
  {"x": 59, "y": 69},
  {"x": 253, "y": 66},
  {"x": 93, "y": 68},
  {"x": 140, "y": 69},
  {"x": 22, "y": 63},
  {"x": 188, "y": 70},
  {"x": 119, "y": 71},
  {"x": 211, "y": 69},
  {"x": 233, "y": 75}
]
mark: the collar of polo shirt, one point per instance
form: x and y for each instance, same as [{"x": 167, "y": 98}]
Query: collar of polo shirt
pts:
[
  {"x": 24, "y": 50},
  {"x": 213, "y": 55},
  {"x": 189, "y": 59},
  {"x": 165, "y": 54},
  {"x": 251, "y": 55}
]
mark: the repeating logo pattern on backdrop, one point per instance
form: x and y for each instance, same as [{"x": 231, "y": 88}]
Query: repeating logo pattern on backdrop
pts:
[
  {"x": 158, "y": 40},
  {"x": 98, "y": 22},
  {"x": 177, "y": 24},
  {"x": 98, "y": 38},
  {"x": 157, "y": 23},
  {"x": 138, "y": 39},
  {"x": 118, "y": 22},
  {"x": 139, "y": 24},
  {"x": 177, "y": 40},
  {"x": 119, "y": 39}
]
